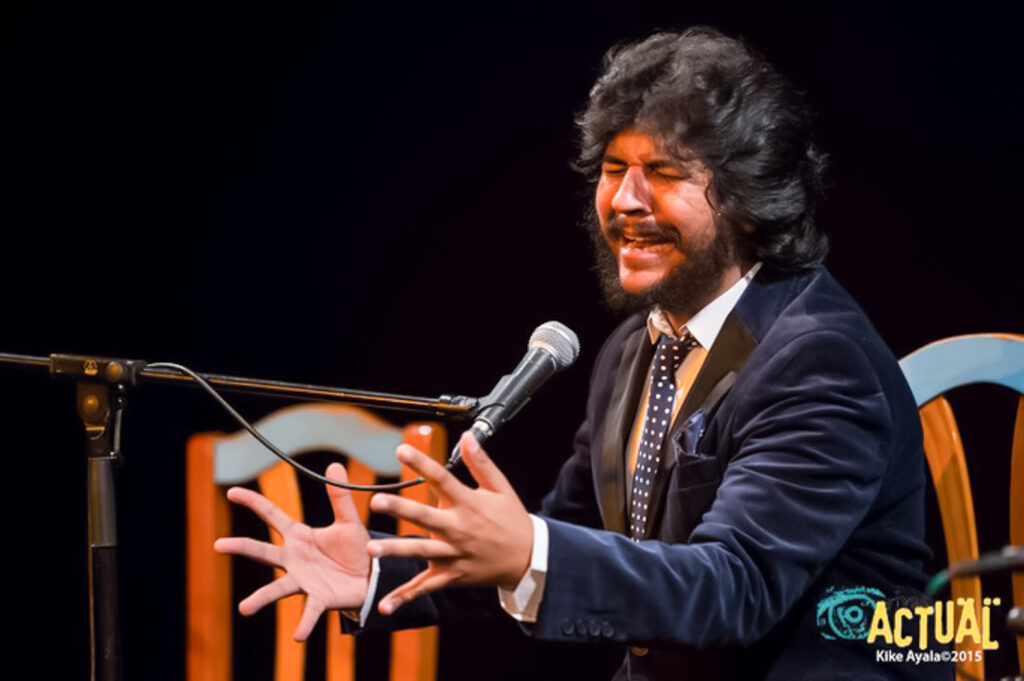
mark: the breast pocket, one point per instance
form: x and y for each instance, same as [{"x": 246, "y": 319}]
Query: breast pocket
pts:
[
  {"x": 696, "y": 469},
  {"x": 695, "y": 480}
]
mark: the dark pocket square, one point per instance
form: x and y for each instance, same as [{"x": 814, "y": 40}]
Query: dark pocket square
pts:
[{"x": 684, "y": 441}]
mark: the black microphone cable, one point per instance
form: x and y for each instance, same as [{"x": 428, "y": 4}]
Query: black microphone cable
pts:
[
  {"x": 305, "y": 470},
  {"x": 552, "y": 347}
]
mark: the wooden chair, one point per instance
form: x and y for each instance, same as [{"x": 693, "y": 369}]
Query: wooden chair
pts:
[
  {"x": 216, "y": 461},
  {"x": 932, "y": 371}
]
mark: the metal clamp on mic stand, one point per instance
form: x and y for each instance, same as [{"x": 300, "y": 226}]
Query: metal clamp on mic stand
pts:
[{"x": 100, "y": 398}]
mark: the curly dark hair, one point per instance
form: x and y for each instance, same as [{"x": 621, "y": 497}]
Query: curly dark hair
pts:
[{"x": 714, "y": 97}]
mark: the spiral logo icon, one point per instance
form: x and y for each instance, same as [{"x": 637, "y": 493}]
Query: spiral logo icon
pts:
[{"x": 846, "y": 613}]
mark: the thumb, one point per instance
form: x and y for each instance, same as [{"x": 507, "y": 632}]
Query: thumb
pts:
[{"x": 341, "y": 499}]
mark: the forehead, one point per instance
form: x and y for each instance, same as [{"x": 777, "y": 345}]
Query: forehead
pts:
[
  {"x": 634, "y": 142},
  {"x": 635, "y": 145}
]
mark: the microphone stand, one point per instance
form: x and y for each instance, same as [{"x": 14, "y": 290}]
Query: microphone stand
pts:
[{"x": 101, "y": 392}]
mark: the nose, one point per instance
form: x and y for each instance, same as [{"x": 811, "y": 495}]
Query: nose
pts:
[{"x": 633, "y": 194}]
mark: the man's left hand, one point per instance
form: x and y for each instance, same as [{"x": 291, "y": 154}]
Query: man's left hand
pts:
[{"x": 477, "y": 536}]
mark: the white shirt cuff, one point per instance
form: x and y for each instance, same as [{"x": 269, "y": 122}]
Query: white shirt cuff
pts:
[
  {"x": 371, "y": 591},
  {"x": 523, "y": 603}
]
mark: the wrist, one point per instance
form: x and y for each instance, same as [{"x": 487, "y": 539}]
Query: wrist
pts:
[
  {"x": 523, "y": 602},
  {"x": 521, "y": 566},
  {"x": 513, "y": 578}
]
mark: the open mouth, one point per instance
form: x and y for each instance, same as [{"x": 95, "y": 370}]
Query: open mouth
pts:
[
  {"x": 646, "y": 242},
  {"x": 641, "y": 239}
]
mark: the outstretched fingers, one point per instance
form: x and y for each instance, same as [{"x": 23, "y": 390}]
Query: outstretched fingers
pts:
[
  {"x": 429, "y": 549},
  {"x": 261, "y": 506},
  {"x": 421, "y": 584},
  {"x": 436, "y": 475},
  {"x": 268, "y": 593},
  {"x": 341, "y": 499},
  {"x": 427, "y": 517},
  {"x": 481, "y": 467},
  {"x": 264, "y": 552},
  {"x": 310, "y": 614}
]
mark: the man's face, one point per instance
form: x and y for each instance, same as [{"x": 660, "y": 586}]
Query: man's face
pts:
[{"x": 655, "y": 216}]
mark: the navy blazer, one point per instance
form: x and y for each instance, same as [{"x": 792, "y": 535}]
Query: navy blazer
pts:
[
  {"x": 795, "y": 465},
  {"x": 794, "y": 468}
]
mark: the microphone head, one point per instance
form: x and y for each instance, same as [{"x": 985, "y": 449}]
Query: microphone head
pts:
[{"x": 559, "y": 341}]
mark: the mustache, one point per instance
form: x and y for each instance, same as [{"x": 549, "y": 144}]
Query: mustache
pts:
[{"x": 644, "y": 229}]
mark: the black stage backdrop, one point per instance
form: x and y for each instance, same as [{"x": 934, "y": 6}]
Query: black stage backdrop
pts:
[{"x": 382, "y": 199}]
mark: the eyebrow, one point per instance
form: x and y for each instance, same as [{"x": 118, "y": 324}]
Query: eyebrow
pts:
[{"x": 656, "y": 164}]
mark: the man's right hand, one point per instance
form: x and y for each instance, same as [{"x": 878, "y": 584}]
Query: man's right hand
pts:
[{"x": 329, "y": 564}]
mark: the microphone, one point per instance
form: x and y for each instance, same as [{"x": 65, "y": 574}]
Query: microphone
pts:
[
  {"x": 1015, "y": 621},
  {"x": 553, "y": 346}
]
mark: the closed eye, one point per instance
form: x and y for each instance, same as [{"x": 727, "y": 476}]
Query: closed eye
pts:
[
  {"x": 669, "y": 171},
  {"x": 612, "y": 168}
]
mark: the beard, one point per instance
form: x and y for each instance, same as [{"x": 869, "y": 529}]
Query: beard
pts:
[{"x": 687, "y": 287}]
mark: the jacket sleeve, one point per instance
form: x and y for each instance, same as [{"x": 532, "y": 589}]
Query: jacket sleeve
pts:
[{"x": 812, "y": 442}]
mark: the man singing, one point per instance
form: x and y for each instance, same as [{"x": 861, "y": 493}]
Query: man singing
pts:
[{"x": 750, "y": 446}]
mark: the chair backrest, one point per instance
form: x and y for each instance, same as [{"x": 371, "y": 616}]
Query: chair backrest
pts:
[
  {"x": 216, "y": 461},
  {"x": 932, "y": 371}
]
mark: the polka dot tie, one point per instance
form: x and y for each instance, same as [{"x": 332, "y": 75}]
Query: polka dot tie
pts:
[{"x": 660, "y": 396}]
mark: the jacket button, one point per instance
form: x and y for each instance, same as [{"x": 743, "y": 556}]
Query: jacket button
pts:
[
  {"x": 606, "y": 629},
  {"x": 595, "y": 628},
  {"x": 638, "y": 651},
  {"x": 567, "y": 627},
  {"x": 581, "y": 627}
]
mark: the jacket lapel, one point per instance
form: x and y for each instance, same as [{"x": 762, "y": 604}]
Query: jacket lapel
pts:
[
  {"x": 727, "y": 356},
  {"x": 629, "y": 381}
]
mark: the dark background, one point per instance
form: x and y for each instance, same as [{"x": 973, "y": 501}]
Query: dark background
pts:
[{"x": 382, "y": 199}]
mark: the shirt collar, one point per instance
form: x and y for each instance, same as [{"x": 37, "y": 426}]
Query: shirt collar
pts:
[{"x": 705, "y": 325}]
